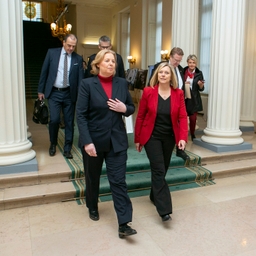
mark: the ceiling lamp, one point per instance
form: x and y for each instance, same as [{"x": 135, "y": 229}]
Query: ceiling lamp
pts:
[{"x": 59, "y": 27}]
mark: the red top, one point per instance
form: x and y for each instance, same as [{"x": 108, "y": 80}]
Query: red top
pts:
[{"x": 106, "y": 83}]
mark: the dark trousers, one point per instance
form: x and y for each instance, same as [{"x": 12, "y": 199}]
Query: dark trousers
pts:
[
  {"x": 57, "y": 101},
  {"x": 116, "y": 169},
  {"x": 192, "y": 123},
  {"x": 159, "y": 152}
]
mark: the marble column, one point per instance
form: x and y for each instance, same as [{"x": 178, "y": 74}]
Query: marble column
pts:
[
  {"x": 226, "y": 71},
  {"x": 185, "y": 23},
  {"x": 248, "y": 104},
  {"x": 15, "y": 148},
  {"x": 185, "y": 15}
]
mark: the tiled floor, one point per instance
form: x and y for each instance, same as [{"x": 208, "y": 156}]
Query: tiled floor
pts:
[{"x": 215, "y": 220}]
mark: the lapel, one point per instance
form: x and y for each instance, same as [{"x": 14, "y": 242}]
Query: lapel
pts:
[
  {"x": 56, "y": 59},
  {"x": 173, "y": 98},
  {"x": 97, "y": 86},
  {"x": 115, "y": 88},
  {"x": 73, "y": 61},
  {"x": 155, "y": 98}
]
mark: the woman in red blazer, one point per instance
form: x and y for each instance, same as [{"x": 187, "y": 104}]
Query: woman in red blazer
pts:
[{"x": 160, "y": 124}]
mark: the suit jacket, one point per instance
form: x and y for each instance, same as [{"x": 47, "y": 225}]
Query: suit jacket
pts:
[
  {"x": 146, "y": 117},
  {"x": 119, "y": 69},
  {"x": 50, "y": 69},
  {"x": 96, "y": 122},
  {"x": 179, "y": 67}
]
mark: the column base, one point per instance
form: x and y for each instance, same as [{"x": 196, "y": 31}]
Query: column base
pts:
[
  {"x": 222, "y": 148},
  {"x": 28, "y": 166},
  {"x": 246, "y": 126}
]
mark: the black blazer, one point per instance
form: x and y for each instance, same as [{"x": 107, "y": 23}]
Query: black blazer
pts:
[
  {"x": 96, "y": 122},
  {"x": 50, "y": 69},
  {"x": 196, "y": 89},
  {"x": 119, "y": 69}
]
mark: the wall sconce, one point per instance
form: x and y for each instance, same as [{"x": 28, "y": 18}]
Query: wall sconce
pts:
[
  {"x": 164, "y": 54},
  {"x": 131, "y": 60}
]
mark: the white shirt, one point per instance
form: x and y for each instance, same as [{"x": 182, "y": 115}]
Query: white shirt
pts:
[
  {"x": 59, "y": 79},
  {"x": 179, "y": 79}
]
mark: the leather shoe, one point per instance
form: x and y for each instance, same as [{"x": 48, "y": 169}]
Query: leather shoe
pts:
[
  {"x": 68, "y": 155},
  {"x": 52, "y": 150},
  {"x": 166, "y": 217},
  {"x": 182, "y": 154},
  {"x": 94, "y": 215},
  {"x": 193, "y": 137},
  {"x": 125, "y": 230}
]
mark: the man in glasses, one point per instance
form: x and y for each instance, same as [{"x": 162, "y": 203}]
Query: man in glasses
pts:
[
  {"x": 105, "y": 43},
  {"x": 176, "y": 56}
]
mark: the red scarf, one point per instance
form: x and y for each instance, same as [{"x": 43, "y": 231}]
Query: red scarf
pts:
[{"x": 189, "y": 74}]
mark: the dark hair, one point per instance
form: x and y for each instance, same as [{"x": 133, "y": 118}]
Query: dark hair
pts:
[
  {"x": 176, "y": 50},
  {"x": 72, "y": 36},
  {"x": 105, "y": 39}
]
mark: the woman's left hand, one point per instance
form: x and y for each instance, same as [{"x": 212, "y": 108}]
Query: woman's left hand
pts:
[
  {"x": 116, "y": 105},
  {"x": 182, "y": 144}
]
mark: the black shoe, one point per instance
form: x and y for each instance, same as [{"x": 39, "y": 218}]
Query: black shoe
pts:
[
  {"x": 166, "y": 217},
  {"x": 125, "y": 230},
  {"x": 94, "y": 215},
  {"x": 67, "y": 154},
  {"x": 193, "y": 137},
  {"x": 182, "y": 154},
  {"x": 52, "y": 150}
]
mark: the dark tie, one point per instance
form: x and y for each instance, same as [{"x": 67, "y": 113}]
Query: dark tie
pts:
[{"x": 65, "y": 72}]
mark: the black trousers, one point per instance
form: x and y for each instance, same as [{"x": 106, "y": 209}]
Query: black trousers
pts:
[
  {"x": 116, "y": 169},
  {"x": 159, "y": 152}
]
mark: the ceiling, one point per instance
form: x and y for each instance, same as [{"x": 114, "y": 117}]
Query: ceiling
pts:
[{"x": 93, "y": 3}]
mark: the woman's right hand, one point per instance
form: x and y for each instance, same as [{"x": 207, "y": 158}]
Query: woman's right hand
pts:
[
  {"x": 90, "y": 150},
  {"x": 138, "y": 147}
]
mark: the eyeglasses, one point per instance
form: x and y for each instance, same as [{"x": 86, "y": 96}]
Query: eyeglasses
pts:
[
  {"x": 104, "y": 47},
  {"x": 178, "y": 61}
]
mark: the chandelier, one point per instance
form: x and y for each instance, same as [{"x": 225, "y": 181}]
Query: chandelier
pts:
[{"x": 59, "y": 27}]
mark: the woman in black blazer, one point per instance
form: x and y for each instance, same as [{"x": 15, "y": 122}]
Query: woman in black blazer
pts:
[
  {"x": 102, "y": 102},
  {"x": 194, "y": 77}
]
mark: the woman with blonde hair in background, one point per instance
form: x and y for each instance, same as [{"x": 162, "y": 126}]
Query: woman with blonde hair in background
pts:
[{"x": 195, "y": 79}]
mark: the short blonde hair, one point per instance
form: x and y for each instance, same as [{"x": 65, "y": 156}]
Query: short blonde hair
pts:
[
  {"x": 192, "y": 57},
  {"x": 99, "y": 58},
  {"x": 154, "y": 80}
]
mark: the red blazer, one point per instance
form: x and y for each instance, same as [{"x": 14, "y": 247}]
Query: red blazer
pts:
[{"x": 146, "y": 117}]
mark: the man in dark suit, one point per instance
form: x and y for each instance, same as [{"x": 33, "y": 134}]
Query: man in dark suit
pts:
[
  {"x": 62, "y": 72},
  {"x": 105, "y": 43},
  {"x": 176, "y": 56}
]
